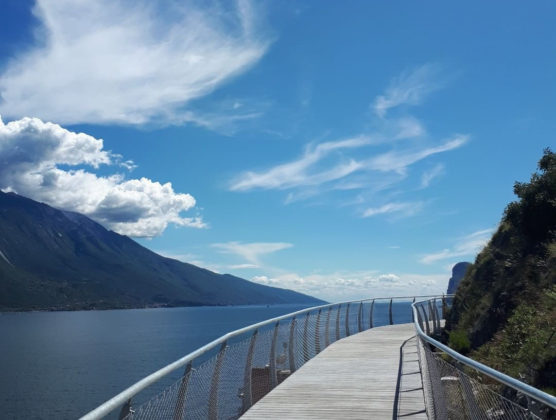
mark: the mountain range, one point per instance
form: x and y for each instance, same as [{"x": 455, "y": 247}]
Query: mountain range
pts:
[{"x": 52, "y": 259}]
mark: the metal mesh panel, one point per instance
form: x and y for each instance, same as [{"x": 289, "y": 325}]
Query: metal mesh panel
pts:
[
  {"x": 231, "y": 392},
  {"x": 195, "y": 404},
  {"x": 342, "y": 321},
  {"x": 260, "y": 368},
  {"x": 366, "y": 316},
  {"x": 380, "y": 313},
  {"x": 282, "y": 349},
  {"x": 352, "y": 319},
  {"x": 401, "y": 312},
  {"x": 453, "y": 391},
  {"x": 298, "y": 342},
  {"x": 334, "y": 332}
]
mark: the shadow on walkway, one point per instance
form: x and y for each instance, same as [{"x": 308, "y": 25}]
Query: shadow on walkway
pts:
[{"x": 409, "y": 402}]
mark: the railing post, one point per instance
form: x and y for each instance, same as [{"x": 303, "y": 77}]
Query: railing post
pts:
[
  {"x": 372, "y": 310},
  {"x": 412, "y": 314},
  {"x": 327, "y": 328},
  {"x": 360, "y": 317},
  {"x": 436, "y": 315},
  {"x": 433, "y": 318},
  {"x": 444, "y": 306},
  {"x": 126, "y": 410},
  {"x": 390, "y": 313},
  {"x": 180, "y": 404},
  {"x": 213, "y": 396},
  {"x": 305, "y": 347},
  {"x": 347, "y": 320},
  {"x": 317, "y": 333},
  {"x": 427, "y": 327},
  {"x": 338, "y": 323},
  {"x": 272, "y": 361},
  {"x": 248, "y": 375},
  {"x": 291, "y": 354},
  {"x": 419, "y": 317}
]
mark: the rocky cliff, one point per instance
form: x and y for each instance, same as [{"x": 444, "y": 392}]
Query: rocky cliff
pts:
[{"x": 458, "y": 272}]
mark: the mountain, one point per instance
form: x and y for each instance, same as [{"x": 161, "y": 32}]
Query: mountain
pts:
[
  {"x": 53, "y": 259},
  {"x": 458, "y": 272},
  {"x": 504, "y": 311}
]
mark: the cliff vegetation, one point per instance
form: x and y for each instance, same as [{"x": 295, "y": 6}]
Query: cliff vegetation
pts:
[{"x": 504, "y": 312}]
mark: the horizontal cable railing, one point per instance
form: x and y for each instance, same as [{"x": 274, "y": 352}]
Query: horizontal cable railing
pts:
[
  {"x": 457, "y": 387},
  {"x": 224, "y": 378}
]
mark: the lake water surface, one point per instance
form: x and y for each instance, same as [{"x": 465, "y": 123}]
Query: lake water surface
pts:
[{"x": 60, "y": 365}]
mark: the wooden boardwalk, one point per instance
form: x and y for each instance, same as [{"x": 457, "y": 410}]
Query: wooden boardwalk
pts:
[{"x": 371, "y": 375}]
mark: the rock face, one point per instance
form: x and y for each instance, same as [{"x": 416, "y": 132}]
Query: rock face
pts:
[
  {"x": 53, "y": 259},
  {"x": 458, "y": 272}
]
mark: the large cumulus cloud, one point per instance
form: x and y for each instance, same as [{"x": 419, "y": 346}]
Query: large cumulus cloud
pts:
[{"x": 48, "y": 163}]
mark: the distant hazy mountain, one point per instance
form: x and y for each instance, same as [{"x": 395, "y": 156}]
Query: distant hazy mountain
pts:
[
  {"x": 52, "y": 259},
  {"x": 458, "y": 273}
]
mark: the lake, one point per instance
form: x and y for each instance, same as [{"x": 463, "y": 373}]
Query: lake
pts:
[{"x": 60, "y": 365}]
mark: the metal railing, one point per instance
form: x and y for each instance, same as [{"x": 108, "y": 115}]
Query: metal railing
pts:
[
  {"x": 457, "y": 387},
  {"x": 224, "y": 378}
]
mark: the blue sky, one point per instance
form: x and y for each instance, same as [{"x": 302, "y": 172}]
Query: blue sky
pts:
[{"x": 342, "y": 149}]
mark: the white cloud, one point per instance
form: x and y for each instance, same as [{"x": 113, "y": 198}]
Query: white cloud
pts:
[
  {"x": 400, "y": 161},
  {"x": 119, "y": 61},
  {"x": 353, "y": 285},
  {"x": 428, "y": 176},
  {"x": 390, "y": 278},
  {"x": 34, "y": 157},
  {"x": 407, "y": 127},
  {"x": 467, "y": 246},
  {"x": 408, "y": 89},
  {"x": 251, "y": 252},
  {"x": 406, "y": 209},
  {"x": 296, "y": 173},
  {"x": 307, "y": 170},
  {"x": 363, "y": 165}
]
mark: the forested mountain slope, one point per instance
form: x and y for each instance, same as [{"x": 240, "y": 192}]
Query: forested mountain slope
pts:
[{"x": 53, "y": 259}]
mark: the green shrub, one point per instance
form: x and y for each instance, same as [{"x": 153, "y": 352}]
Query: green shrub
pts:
[{"x": 459, "y": 341}]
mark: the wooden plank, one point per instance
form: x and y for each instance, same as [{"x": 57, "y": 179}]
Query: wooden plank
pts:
[{"x": 354, "y": 378}]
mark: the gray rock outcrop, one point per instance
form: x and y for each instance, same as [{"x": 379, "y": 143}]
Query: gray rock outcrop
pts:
[{"x": 458, "y": 272}]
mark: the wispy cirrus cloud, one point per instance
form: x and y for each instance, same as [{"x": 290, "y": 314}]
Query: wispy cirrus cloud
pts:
[
  {"x": 48, "y": 163},
  {"x": 467, "y": 246},
  {"x": 299, "y": 172},
  {"x": 429, "y": 176},
  {"x": 119, "y": 61},
  {"x": 399, "y": 161},
  {"x": 315, "y": 171},
  {"x": 368, "y": 163},
  {"x": 251, "y": 252},
  {"x": 410, "y": 88},
  {"x": 404, "y": 209}
]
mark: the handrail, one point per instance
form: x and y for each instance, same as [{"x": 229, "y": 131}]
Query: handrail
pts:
[
  {"x": 124, "y": 396},
  {"x": 499, "y": 376}
]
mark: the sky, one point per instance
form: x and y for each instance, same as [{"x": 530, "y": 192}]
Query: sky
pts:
[{"x": 341, "y": 149}]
